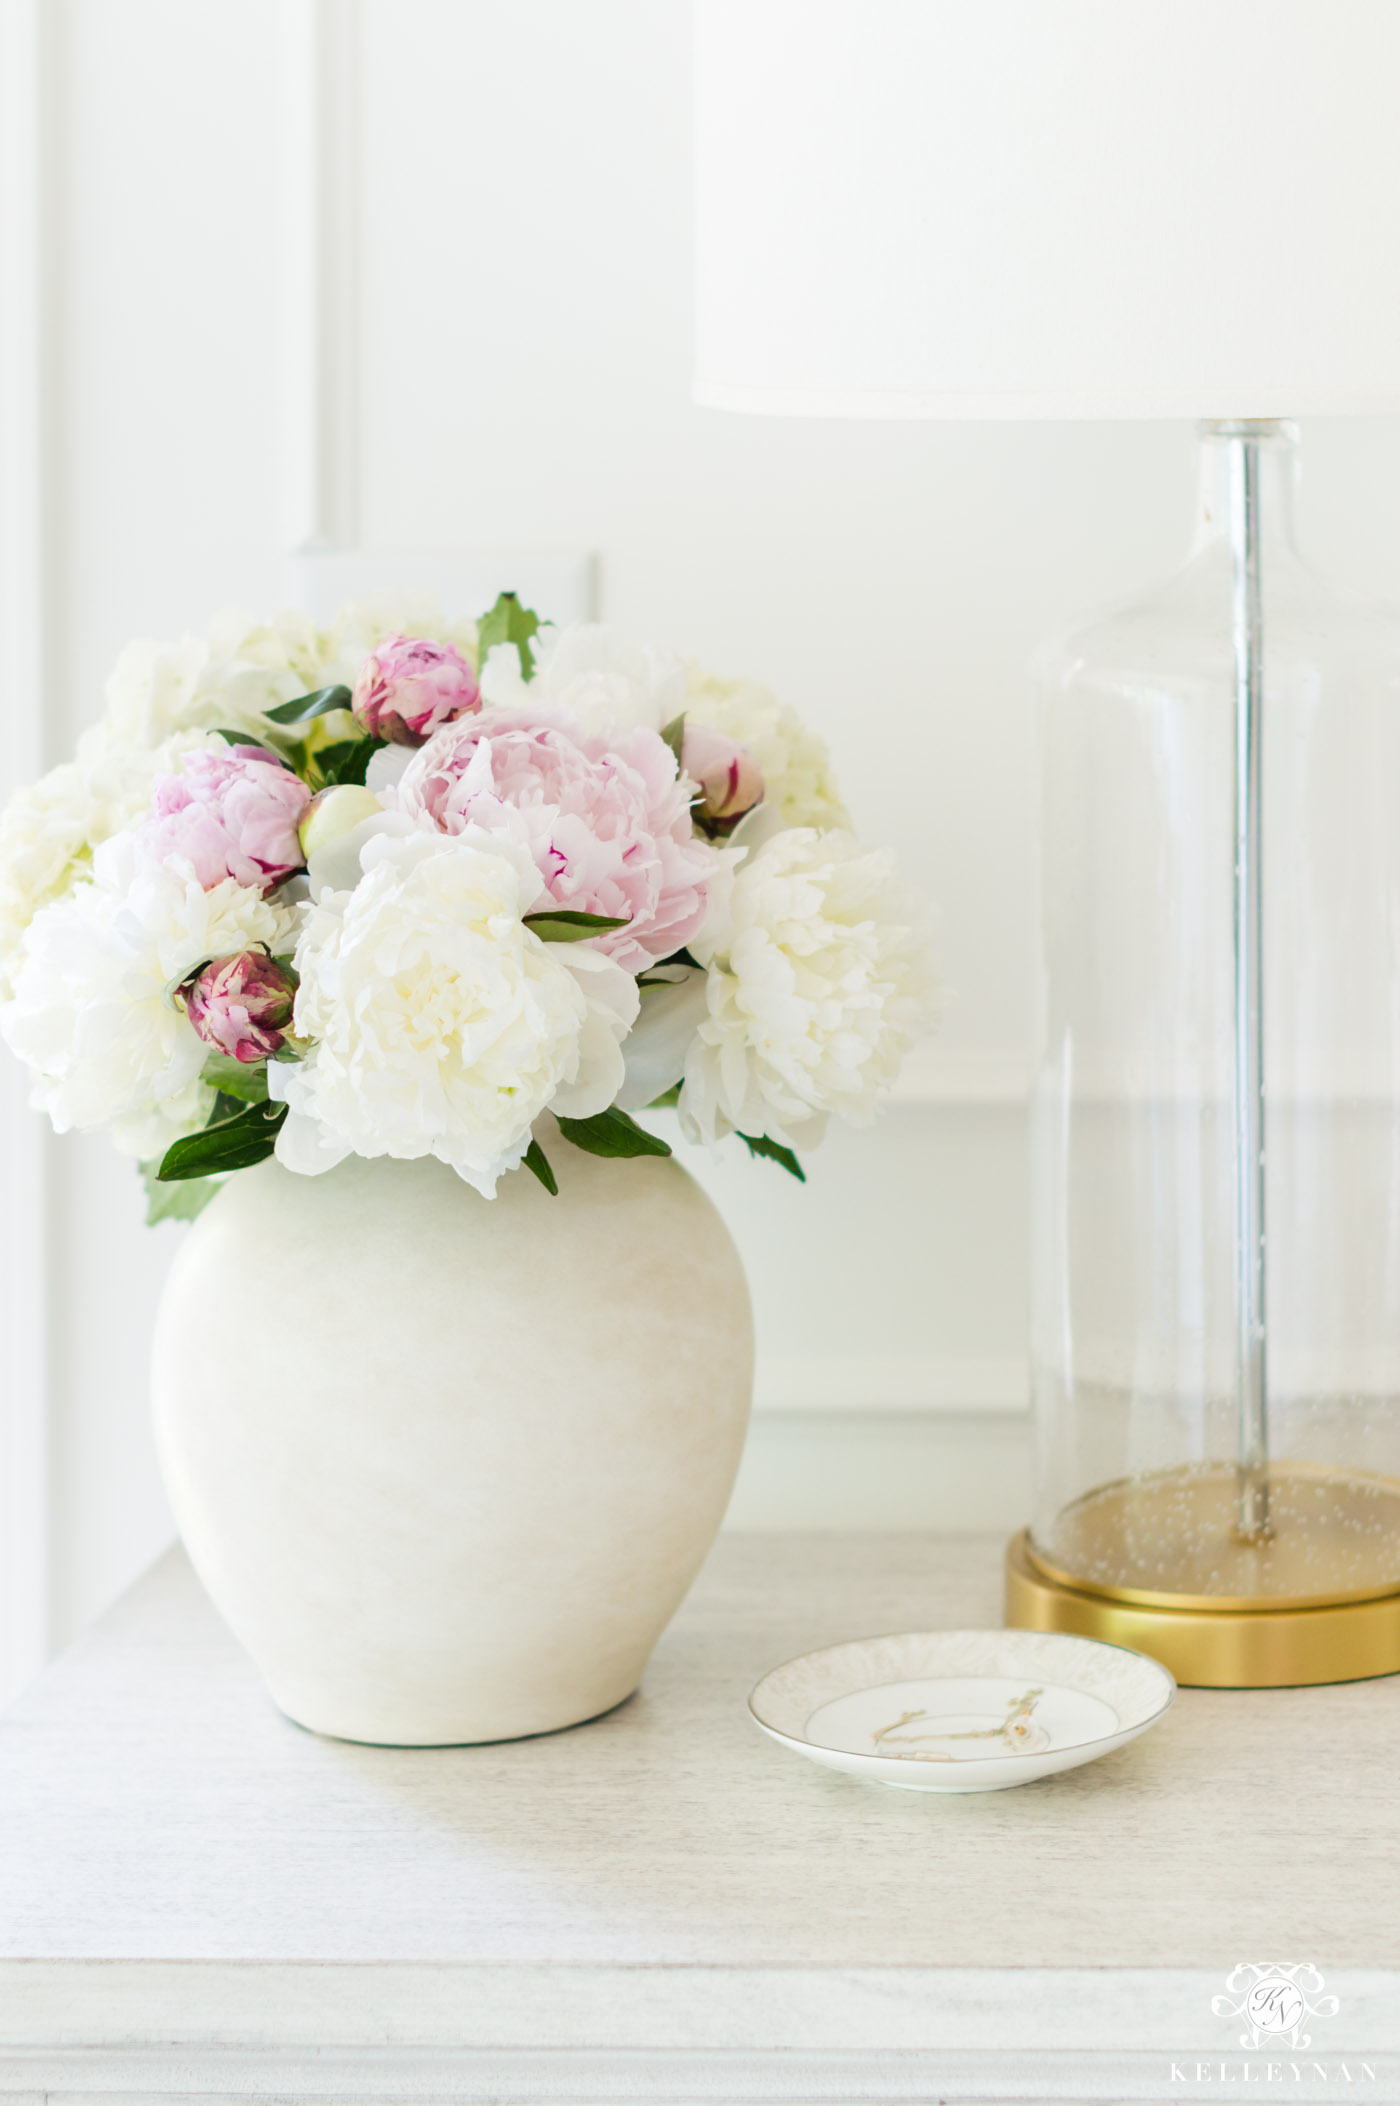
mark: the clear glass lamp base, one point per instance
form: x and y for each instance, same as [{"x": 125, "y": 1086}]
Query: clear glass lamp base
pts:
[
  {"x": 1215, "y": 1113},
  {"x": 1335, "y": 1536}
]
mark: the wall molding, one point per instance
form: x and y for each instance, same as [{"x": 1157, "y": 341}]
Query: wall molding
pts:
[
  {"x": 931, "y": 1076},
  {"x": 908, "y": 1385},
  {"x": 1344, "y": 1079},
  {"x": 320, "y": 42},
  {"x": 27, "y": 211},
  {"x": 463, "y": 580}
]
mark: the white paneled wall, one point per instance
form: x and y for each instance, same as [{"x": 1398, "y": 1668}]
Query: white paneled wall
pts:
[
  {"x": 26, "y": 642},
  {"x": 398, "y": 275}
]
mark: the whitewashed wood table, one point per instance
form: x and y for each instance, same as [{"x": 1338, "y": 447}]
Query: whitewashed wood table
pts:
[{"x": 200, "y": 1901}]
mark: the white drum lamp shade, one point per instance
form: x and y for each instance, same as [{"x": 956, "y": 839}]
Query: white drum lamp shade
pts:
[
  {"x": 1048, "y": 208},
  {"x": 1127, "y": 209}
]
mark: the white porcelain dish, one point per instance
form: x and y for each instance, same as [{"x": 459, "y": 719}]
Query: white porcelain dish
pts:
[{"x": 962, "y": 1711}]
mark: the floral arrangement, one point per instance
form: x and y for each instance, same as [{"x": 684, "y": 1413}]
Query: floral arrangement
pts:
[{"x": 400, "y": 886}]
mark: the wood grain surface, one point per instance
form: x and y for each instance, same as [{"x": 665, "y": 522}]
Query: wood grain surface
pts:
[{"x": 180, "y": 1863}]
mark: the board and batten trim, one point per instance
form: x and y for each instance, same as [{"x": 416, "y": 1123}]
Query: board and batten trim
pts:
[
  {"x": 910, "y": 1385},
  {"x": 27, "y": 527},
  {"x": 321, "y": 95},
  {"x": 319, "y": 57},
  {"x": 931, "y": 1076}
]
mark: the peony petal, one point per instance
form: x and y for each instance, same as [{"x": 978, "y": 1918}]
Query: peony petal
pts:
[
  {"x": 656, "y": 1047},
  {"x": 306, "y": 1146}
]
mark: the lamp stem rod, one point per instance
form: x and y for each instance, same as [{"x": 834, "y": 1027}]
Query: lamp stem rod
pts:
[{"x": 1251, "y": 1270}]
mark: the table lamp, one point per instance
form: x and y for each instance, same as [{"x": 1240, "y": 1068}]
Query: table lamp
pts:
[{"x": 1124, "y": 209}]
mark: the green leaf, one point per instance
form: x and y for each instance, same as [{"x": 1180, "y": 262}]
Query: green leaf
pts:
[
  {"x": 674, "y": 735},
  {"x": 567, "y": 925},
  {"x": 229, "y": 1144},
  {"x": 345, "y": 761},
  {"x": 535, "y": 1159},
  {"x": 245, "y": 1079},
  {"x": 668, "y": 1099},
  {"x": 244, "y": 738},
  {"x": 612, "y": 1132},
  {"x": 176, "y": 1202},
  {"x": 304, "y": 707},
  {"x": 759, "y": 1144},
  {"x": 509, "y": 622}
]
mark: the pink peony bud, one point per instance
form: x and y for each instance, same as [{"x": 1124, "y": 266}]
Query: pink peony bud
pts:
[
  {"x": 728, "y": 775},
  {"x": 242, "y": 1005},
  {"x": 407, "y": 687}
]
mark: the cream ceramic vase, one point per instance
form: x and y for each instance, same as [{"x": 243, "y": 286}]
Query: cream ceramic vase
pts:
[{"x": 448, "y": 1465}]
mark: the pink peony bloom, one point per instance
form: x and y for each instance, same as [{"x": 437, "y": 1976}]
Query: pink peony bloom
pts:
[
  {"x": 729, "y": 776},
  {"x": 408, "y": 688},
  {"x": 605, "y": 816},
  {"x": 242, "y": 1005},
  {"x": 233, "y": 814}
]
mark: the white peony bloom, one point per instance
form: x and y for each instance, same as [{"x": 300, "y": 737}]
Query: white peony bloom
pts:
[
  {"x": 153, "y": 689},
  {"x": 287, "y": 642},
  {"x": 338, "y": 866},
  {"x": 360, "y": 624},
  {"x": 223, "y": 681},
  {"x": 793, "y": 761},
  {"x": 230, "y": 678},
  {"x": 443, "y": 1025},
  {"x": 49, "y": 830},
  {"x": 147, "y": 1135},
  {"x": 673, "y": 1009},
  {"x": 91, "y": 1014},
  {"x": 589, "y": 669},
  {"x": 120, "y": 777},
  {"x": 817, "y": 988},
  {"x": 47, "y": 834}
]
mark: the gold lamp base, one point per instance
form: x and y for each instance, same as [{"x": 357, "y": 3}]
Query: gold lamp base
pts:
[{"x": 1258, "y": 1647}]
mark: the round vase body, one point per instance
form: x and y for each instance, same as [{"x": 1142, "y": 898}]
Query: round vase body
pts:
[{"x": 447, "y": 1465}]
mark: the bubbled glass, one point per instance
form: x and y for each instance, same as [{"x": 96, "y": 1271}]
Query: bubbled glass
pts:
[{"x": 1136, "y": 1259}]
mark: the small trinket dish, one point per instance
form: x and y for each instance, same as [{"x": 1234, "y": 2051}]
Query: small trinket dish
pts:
[{"x": 962, "y": 1711}]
